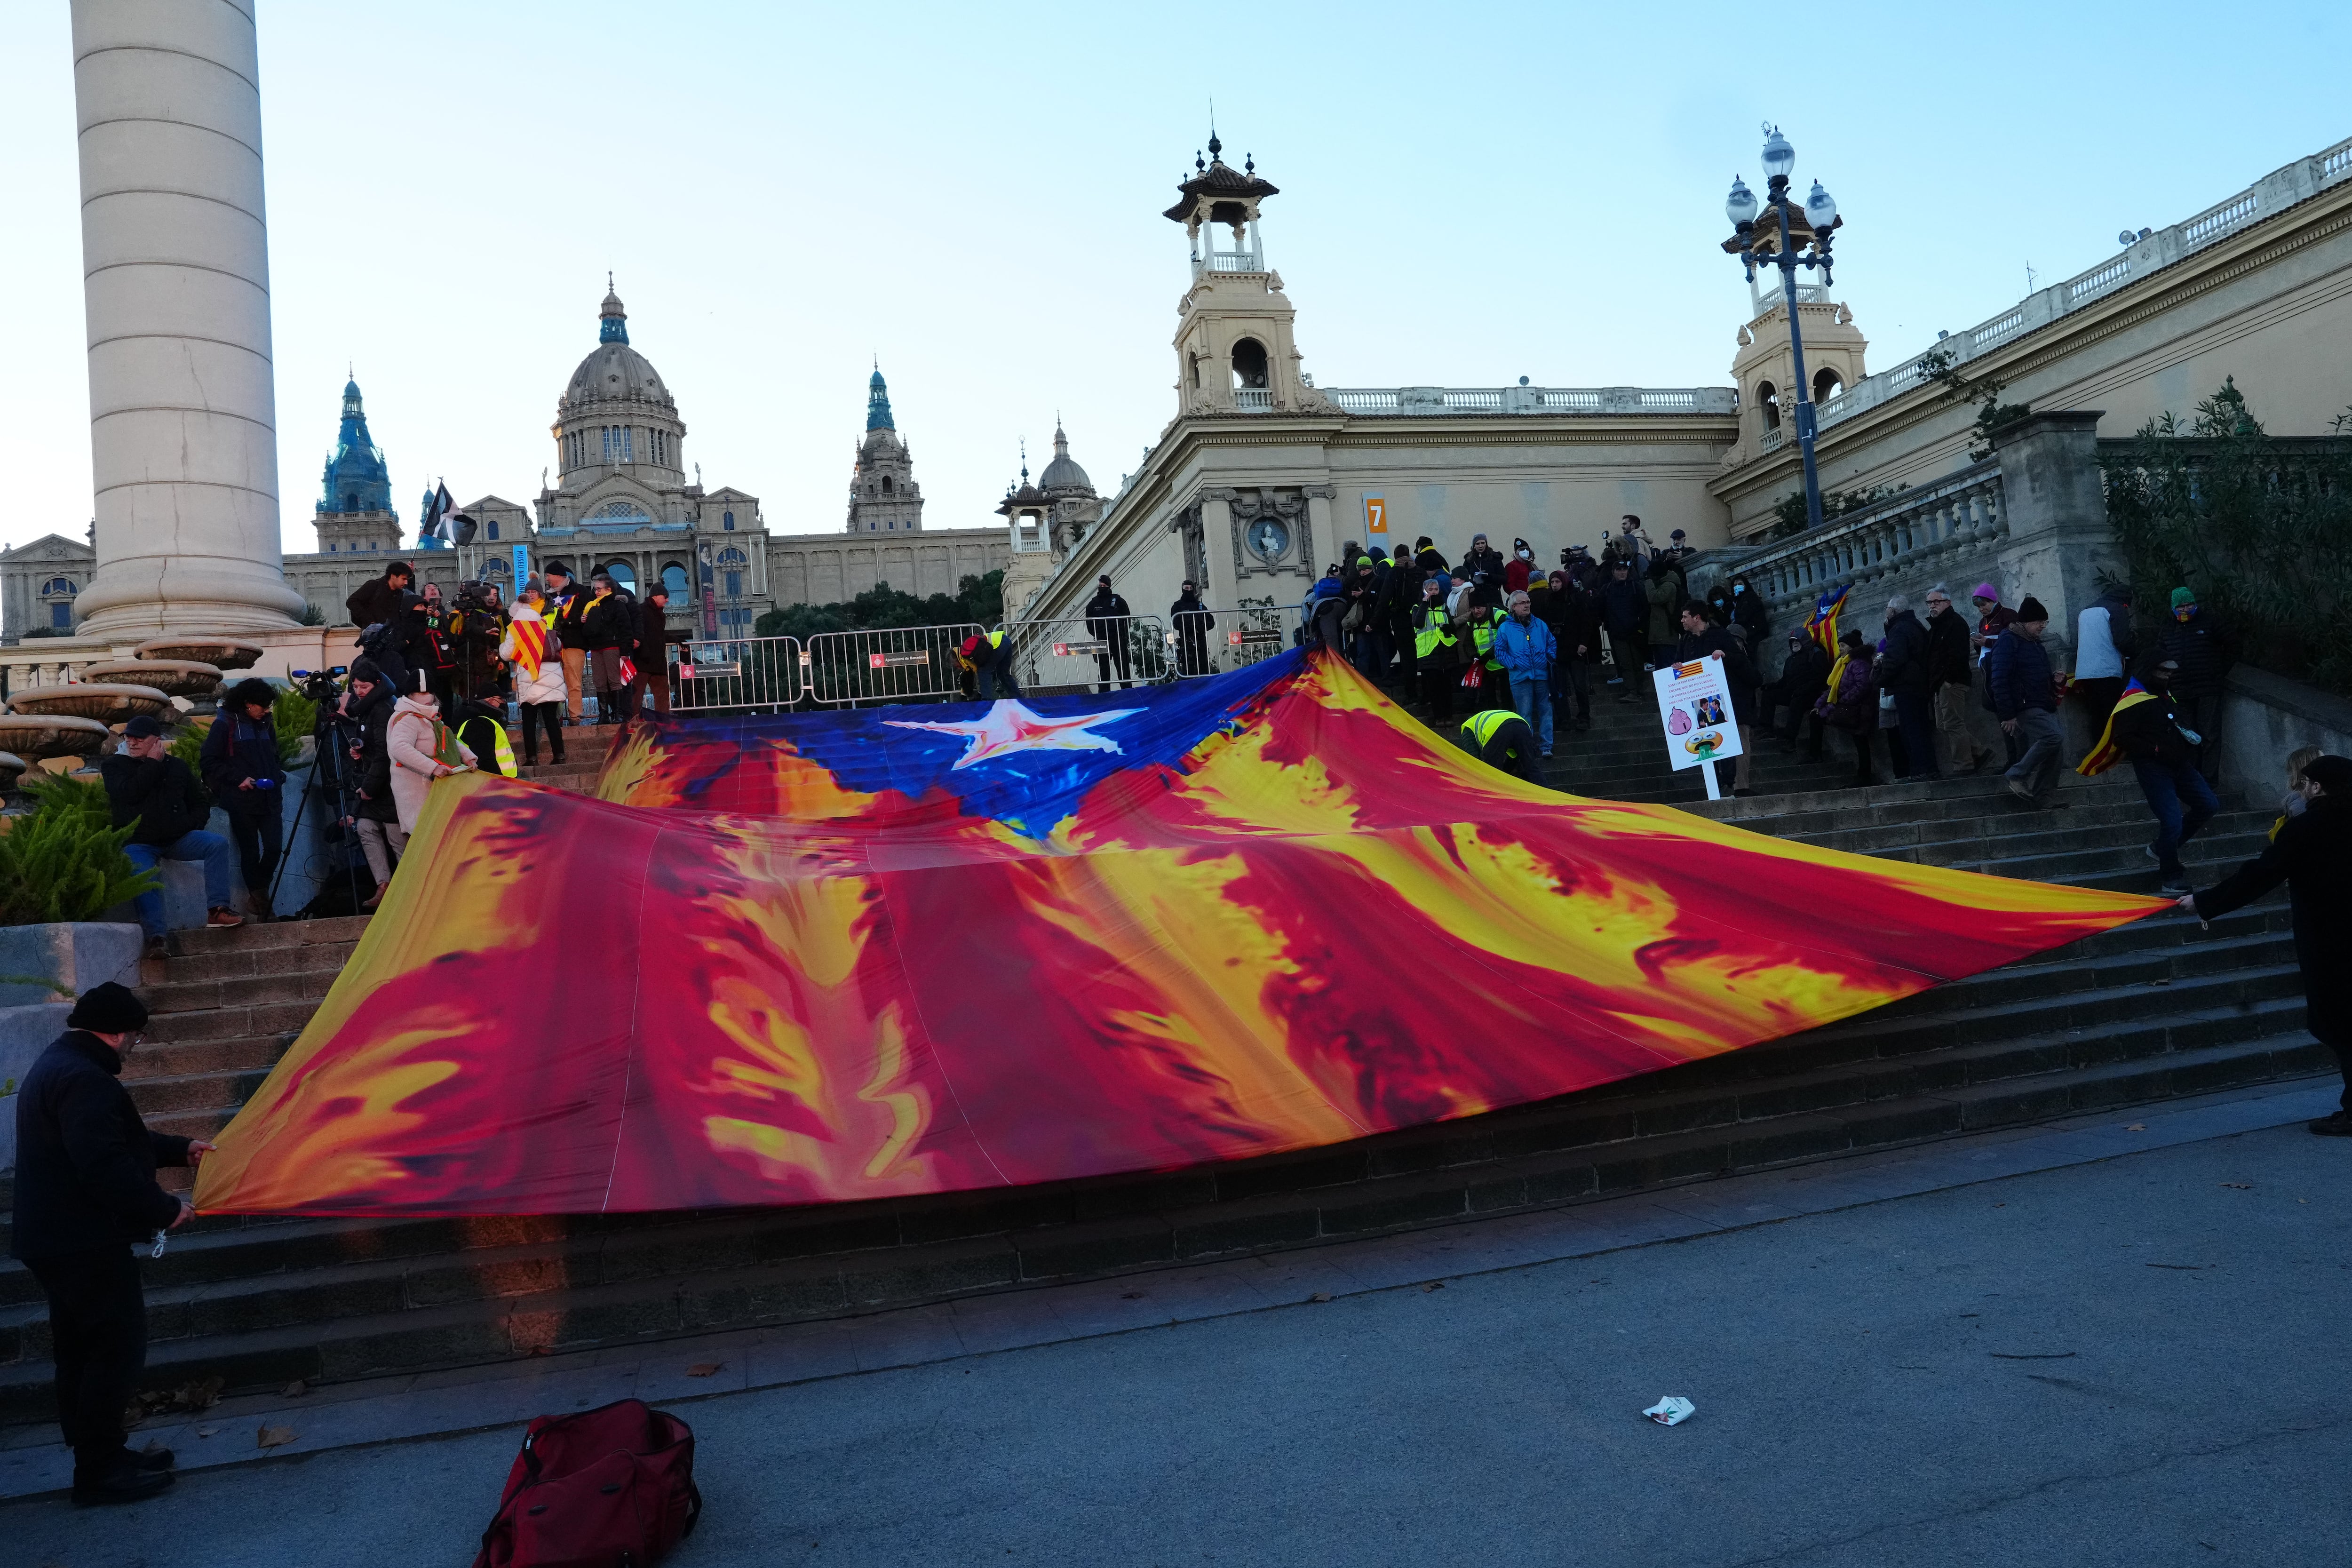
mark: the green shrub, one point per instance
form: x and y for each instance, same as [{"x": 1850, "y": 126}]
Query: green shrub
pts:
[
  {"x": 293, "y": 714},
  {"x": 62, "y": 861},
  {"x": 2259, "y": 530}
]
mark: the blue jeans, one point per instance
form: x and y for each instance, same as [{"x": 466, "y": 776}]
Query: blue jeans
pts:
[
  {"x": 1533, "y": 699},
  {"x": 2183, "y": 803},
  {"x": 209, "y": 847},
  {"x": 999, "y": 675}
]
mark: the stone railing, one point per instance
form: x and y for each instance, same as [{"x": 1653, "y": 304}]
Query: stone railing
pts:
[
  {"x": 1379, "y": 401},
  {"x": 2153, "y": 250},
  {"x": 23, "y": 668},
  {"x": 1946, "y": 532}
]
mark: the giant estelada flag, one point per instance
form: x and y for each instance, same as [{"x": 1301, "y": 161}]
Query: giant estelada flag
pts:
[{"x": 811, "y": 958}]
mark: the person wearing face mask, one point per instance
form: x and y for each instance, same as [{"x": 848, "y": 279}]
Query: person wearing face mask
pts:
[
  {"x": 1519, "y": 568},
  {"x": 2313, "y": 855},
  {"x": 2204, "y": 650}
]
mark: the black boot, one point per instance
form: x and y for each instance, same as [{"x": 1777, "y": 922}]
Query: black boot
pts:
[{"x": 125, "y": 1483}]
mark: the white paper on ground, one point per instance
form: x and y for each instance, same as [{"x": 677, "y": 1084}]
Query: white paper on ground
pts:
[{"x": 1671, "y": 1410}]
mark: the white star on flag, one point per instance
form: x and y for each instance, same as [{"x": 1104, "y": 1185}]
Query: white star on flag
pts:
[{"x": 1010, "y": 728}]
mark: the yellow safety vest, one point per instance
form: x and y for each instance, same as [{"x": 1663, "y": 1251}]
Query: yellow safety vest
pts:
[
  {"x": 504, "y": 753},
  {"x": 1482, "y": 635},
  {"x": 1429, "y": 639},
  {"x": 1481, "y": 727}
]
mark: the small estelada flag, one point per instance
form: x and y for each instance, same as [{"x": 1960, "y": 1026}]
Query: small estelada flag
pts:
[
  {"x": 531, "y": 646},
  {"x": 2106, "y": 753}
]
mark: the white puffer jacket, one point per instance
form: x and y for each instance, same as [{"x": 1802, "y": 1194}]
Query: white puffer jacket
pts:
[
  {"x": 409, "y": 739},
  {"x": 547, "y": 685}
]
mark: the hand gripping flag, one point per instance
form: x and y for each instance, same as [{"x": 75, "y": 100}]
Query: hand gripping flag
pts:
[
  {"x": 2106, "y": 753},
  {"x": 819, "y": 957}
]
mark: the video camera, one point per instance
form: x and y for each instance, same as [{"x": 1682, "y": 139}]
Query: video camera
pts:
[
  {"x": 318, "y": 685},
  {"x": 474, "y": 594}
]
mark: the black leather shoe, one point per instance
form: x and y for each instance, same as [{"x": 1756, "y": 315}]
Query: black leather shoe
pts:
[
  {"x": 130, "y": 1484},
  {"x": 2339, "y": 1125},
  {"x": 151, "y": 1458}
]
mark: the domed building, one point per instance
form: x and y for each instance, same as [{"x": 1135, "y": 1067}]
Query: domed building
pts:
[
  {"x": 883, "y": 495},
  {"x": 622, "y": 502}
]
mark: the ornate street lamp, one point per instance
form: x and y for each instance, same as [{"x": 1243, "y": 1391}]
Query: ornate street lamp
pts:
[{"x": 1788, "y": 226}]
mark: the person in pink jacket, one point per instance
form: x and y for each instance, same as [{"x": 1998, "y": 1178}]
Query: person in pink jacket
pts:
[{"x": 412, "y": 740}]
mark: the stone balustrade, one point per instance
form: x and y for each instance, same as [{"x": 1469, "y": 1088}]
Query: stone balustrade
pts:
[
  {"x": 1947, "y": 531},
  {"x": 1423, "y": 401}
]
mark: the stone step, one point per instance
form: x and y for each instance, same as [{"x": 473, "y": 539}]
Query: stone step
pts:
[
  {"x": 351, "y": 1318},
  {"x": 235, "y": 965}
]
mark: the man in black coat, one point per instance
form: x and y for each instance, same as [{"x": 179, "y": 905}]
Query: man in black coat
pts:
[
  {"x": 652, "y": 658},
  {"x": 1625, "y": 611},
  {"x": 2313, "y": 855},
  {"x": 1703, "y": 638},
  {"x": 379, "y": 601},
  {"x": 86, "y": 1191},
  {"x": 1951, "y": 682},
  {"x": 243, "y": 772},
  {"x": 1106, "y": 622},
  {"x": 1902, "y": 670},
  {"x": 2204, "y": 650},
  {"x": 1192, "y": 620},
  {"x": 147, "y": 785},
  {"x": 1805, "y": 675}
]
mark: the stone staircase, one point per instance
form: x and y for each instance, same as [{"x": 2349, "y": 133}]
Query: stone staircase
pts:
[{"x": 2153, "y": 1010}]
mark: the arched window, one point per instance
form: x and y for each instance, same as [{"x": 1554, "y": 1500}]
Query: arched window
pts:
[
  {"x": 727, "y": 522},
  {"x": 494, "y": 528},
  {"x": 1767, "y": 399},
  {"x": 1249, "y": 363},
  {"x": 886, "y": 484},
  {"x": 1827, "y": 384},
  {"x": 673, "y": 576},
  {"x": 731, "y": 556},
  {"x": 623, "y": 574},
  {"x": 58, "y": 585}
]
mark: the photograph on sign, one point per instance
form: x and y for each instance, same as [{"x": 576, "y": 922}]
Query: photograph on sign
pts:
[{"x": 1694, "y": 706}]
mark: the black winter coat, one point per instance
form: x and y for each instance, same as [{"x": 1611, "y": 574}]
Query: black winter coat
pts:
[
  {"x": 2313, "y": 855},
  {"x": 236, "y": 749},
  {"x": 374, "y": 603},
  {"x": 1624, "y": 608},
  {"x": 1737, "y": 672},
  {"x": 609, "y": 621},
  {"x": 85, "y": 1162},
  {"x": 1101, "y": 610},
  {"x": 2148, "y": 733},
  {"x": 1803, "y": 676},
  {"x": 1947, "y": 650},
  {"x": 2201, "y": 649},
  {"x": 1903, "y": 668},
  {"x": 159, "y": 792},
  {"x": 2017, "y": 674}
]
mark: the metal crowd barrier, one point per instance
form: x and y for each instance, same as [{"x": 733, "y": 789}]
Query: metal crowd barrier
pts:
[
  {"x": 890, "y": 664},
  {"x": 1073, "y": 653},
  {"x": 1218, "y": 641},
  {"x": 738, "y": 675}
]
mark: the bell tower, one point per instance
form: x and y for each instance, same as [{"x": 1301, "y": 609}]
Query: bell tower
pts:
[{"x": 1234, "y": 351}]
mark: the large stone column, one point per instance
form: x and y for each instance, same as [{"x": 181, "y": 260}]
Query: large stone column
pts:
[{"x": 175, "y": 270}]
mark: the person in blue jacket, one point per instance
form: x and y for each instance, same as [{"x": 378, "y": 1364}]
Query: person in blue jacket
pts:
[
  {"x": 243, "y": 773},
  {"x": 2025, "y": 700},
  {"x": 1529, "y": 650}
]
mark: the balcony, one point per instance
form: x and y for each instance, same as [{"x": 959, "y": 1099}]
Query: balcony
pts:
[
  {"x": 1254, "y": 399},
  {"x": 1426, "y": 401}
]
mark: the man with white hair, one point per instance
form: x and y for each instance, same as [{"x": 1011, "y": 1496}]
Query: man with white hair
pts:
[{"x": 1527, "y": 651}]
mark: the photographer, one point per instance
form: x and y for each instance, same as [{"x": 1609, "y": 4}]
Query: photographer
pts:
[
  {"x": 380, "y": 601},
  {"x": 375, "y": 818},
  {"x": 432, "y": 643},
  {"x": 479, "y": 625},
  {"x": 241, "y": 768}
]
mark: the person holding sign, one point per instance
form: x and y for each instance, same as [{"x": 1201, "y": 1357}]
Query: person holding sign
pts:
[{"x": 1705, "y": 637}]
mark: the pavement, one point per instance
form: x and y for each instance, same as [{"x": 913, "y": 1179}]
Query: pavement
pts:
[{"x": 2115, "y": 1339}]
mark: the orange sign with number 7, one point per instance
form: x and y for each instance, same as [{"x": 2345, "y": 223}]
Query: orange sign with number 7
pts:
[{"x": 1376, "y": 514}]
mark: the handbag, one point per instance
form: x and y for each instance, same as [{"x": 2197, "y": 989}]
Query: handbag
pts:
[{"x": 609, "y": 1486}]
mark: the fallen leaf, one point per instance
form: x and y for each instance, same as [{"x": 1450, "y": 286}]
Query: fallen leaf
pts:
[
  {"x": 538, "y": 1350},
  {"x": 275, "y": 1436},
  {"x": 2137, "y": 1127},
  {"x": 154, "y": 1445},
  {"x": 704, "y": 1368},
  {"x": 1433, "y": 1285},
  {"x": 207, "y": 1431},
  {"x": 294, "y": 1390},
  {"x": 1132, "y": 1296},
  {"x": 2160, "y": 982},
  {"x": 2185, "y": 1268},
  {"x": 1320, "y": 1296},
  {"x": 2036, "y": 1356},
  {"x": 2240, "y": 1186}
]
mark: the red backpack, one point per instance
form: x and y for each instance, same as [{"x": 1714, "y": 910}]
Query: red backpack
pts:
[{"x": 610, "y": 1487}]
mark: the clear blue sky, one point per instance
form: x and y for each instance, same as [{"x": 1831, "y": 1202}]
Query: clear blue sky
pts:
[{"x": 1469, "y": 196}]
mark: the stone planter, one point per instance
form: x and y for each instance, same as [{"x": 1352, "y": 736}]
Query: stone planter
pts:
[
  {"x": 34, "y": 736},
  {"x": 12, "y": 768},
  {"x": 102, "y": 701},
  {"x": 172, "y": 676},
  {"x": 221, "y": 652},
  {"x": 76, "y": 955}
]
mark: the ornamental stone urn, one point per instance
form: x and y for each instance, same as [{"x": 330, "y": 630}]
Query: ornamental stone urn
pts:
[
  {"x": 12, "y": 768},
  {"x": 220, "y": 652},
  {"x": 34, "y": 736},
  {"x": 104, "y": 702},
  {"x": 172, "y": 676}
]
